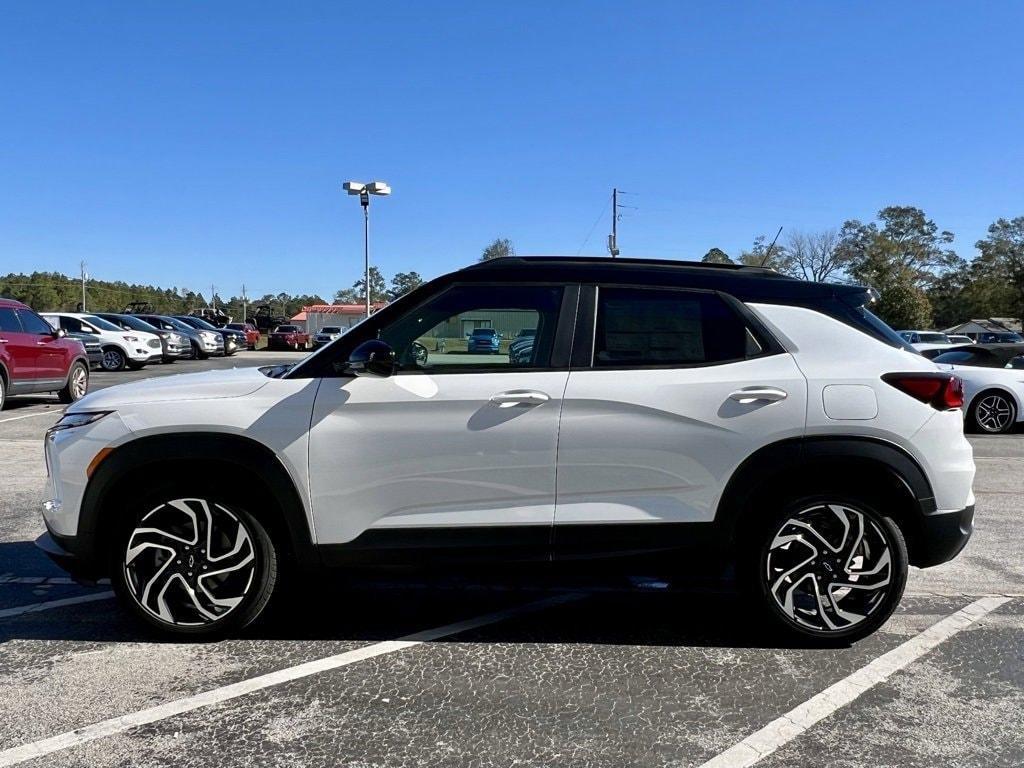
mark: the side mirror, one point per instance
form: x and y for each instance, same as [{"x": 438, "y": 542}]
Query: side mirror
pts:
[
  {"x": 372, "y": 358},
  {"x": 59, "y": 333}
]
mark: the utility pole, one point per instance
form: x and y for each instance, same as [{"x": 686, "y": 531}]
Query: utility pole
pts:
[
  {"x": 243, "y": 303},
  {"x": 613, "y": 238},
  {"x": 213, "y": 294},
  {"x": 83, "y": 286}
]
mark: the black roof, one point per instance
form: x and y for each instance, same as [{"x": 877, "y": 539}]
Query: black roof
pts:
[{"x": 746, "y": 283}]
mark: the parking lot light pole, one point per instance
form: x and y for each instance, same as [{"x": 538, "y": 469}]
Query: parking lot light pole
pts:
[{"x": 364, "y": 191}]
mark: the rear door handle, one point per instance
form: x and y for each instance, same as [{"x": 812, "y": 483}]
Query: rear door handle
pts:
[
  {"x": 759, "y": 394},
  {"x": 519, "y": 397}
]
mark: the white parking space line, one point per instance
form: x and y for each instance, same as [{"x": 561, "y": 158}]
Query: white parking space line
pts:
[
  {"x": 30, "y": 415},
  {"x": 114, "y": 725},
  {"x": 795, "y": 722},
  {"x": 47, "y": 605}
]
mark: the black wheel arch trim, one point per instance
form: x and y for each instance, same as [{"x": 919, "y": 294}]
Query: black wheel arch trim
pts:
[
  {"x": 248, "y": 458},
  {"x": 801, "y": 454}
]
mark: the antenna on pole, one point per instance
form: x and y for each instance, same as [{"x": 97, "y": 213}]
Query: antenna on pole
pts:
[
  {"x": 83, "y": 285},
  {"x": 768, "y": 252},
  {"x": 613, "y": 238}
]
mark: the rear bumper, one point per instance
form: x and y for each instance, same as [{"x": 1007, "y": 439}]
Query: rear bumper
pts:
[{"x": 943, "y": 536}]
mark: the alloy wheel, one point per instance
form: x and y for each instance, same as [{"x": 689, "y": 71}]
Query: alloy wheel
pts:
[
  {"x": 190, "y": 562},
  {"x": 79, "y": 383},
  {"x": 829, "y": 567},
  {"x": 113, "y": 360},
  {"x": 994, "y": 413}
]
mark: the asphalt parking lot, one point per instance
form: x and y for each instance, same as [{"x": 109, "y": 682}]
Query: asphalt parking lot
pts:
[{"x": 400, "y": 673}]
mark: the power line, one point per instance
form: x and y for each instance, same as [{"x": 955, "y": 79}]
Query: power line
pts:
[{"x": 594, "y": 226}]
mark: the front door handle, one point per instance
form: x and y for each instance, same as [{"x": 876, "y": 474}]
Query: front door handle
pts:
[
  {"x": 758, "y": 394},
  {"x": 519, "y": 397}
]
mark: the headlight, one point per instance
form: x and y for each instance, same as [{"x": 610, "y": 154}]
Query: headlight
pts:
[
  {"x": 80, "y": 419},
  {"x": 208, "y": 335},
  {"x": 131, "y": 338}
]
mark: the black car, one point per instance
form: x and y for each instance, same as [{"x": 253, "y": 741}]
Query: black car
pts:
[
  {"x": 980, "y": 355},
  {"x": 174, "y": 343},
  {"x": 233, "y": 340},
  {"x": 92, "y": 347}
]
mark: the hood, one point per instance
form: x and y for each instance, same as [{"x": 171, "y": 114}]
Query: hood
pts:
[{"x": 208, "y": 385}]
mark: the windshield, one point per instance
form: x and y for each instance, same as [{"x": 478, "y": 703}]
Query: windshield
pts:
[
  {"x": 330, "y": 329},
  {"x": 957, "y": 357},
  {"x": 178, "y": 324},
  {"x": 134, "y": 323},
  {"x": 198, "y": 322},
  {"x": 100, "y": 323},
  {"x": 483, "y": 332},
  {"x": 285, "y": 329},
  {"x": 934, "y": 338}
]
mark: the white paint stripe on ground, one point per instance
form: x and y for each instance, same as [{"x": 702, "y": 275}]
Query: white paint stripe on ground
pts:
[
  {"x": 7, "y": 613},
  {"x": 42, "y": 580},
  {"x": 30, "y": 415},
  {"x": 115, "y": 725},
  {"x": 795, "y": 722}
]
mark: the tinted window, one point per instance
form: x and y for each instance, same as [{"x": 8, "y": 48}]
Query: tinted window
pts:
[
  {"x": 934, "y": 338},
  {"x": 128, "y": 321},
  {"x": 470, "y": 327},
  {"x": 637, "y": 327},
  {"x": 9, "y": 321},
  {"x": 961, "y": 357},
  {"x": 198, "y": 322},
  {"x": 33, "y": 323}
]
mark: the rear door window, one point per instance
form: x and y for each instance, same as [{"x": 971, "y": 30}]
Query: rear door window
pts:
[{"x": 641, "y": 327}]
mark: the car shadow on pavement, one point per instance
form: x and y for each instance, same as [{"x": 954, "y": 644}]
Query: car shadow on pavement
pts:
[{"x": 333, "y": 607}]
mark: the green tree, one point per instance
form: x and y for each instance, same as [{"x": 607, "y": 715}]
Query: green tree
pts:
[
  {"x": 904, "y": 253},
  {"x": 403, "y": 283},
  {"x": 1000, "y": 265},
  {"x": 357, "y": 293},
  {"x": 717, "y": 256},
  {"x": 499, "y": 249}
]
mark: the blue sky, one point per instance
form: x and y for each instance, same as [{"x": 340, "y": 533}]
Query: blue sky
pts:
[{"x": 189, "y": 144}]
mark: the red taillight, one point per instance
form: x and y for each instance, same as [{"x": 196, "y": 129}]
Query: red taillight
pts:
[{"x": 939, "y": 390}]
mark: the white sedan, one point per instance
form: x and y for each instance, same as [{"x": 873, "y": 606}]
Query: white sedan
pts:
[{"x": 993, "y": 377}]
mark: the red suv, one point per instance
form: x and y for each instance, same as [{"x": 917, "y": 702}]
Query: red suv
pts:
[{"x": 36, "y": 358}]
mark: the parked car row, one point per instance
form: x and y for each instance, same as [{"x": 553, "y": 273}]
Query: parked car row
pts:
[{"x": 55, "y": 351}]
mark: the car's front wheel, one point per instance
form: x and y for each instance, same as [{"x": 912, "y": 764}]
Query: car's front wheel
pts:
[
  {"x": 194, "y": 564},
  {"x": 993, "y": 412},
  {"x": 113, "y": 359},
  {"x": 831, "y": 569}
]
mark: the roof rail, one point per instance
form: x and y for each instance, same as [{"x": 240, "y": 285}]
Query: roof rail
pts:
[{"x": 506, "y": 261}]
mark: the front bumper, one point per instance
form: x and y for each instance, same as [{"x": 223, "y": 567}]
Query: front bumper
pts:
[
  {"x": 59, "y": 550},
  {"x": 942, "y": 537}
]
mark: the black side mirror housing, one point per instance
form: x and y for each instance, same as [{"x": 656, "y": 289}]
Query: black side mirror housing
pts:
[
  {"x": 59, "y": 333},
  {"x": 372, "y": 358}
]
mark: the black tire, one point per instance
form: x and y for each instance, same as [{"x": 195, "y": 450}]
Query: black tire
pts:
[
  {"x": 259, "y": 578},
  {"x": 113, "y": 359},
  {"x": 168, "y": 360},
  {"x": 992, "y": 412},
  {"x": 197, "y": 353},
  {"x": 786, "y": 604},
  {"x": 133, "y": 366},
  {"x": 3, "y": 392},
  {"x": 76, "y": 387}
]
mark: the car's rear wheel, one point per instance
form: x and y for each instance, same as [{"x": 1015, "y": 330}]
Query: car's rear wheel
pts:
[
  {"x": 77, "y": 385},
  {"x": 829, "y": 568},
  {"x": 113, "y": 359},
  {"x": 194, "y": 565},
  {"x": 3, "y": 392},
  {"x": 993, "y": 412}
]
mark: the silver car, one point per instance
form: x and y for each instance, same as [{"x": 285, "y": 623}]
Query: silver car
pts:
[{"x": 326, "y": 335}]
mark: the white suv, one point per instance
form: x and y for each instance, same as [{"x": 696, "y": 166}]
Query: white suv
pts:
[
  {"x": 665, "y": 408},
  {"x": 120, "y": 348}
]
